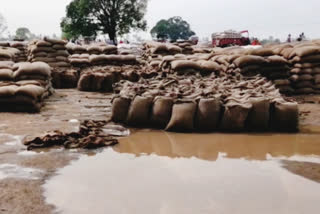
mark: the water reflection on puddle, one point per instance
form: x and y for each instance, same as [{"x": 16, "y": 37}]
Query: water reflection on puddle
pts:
[{"x": 157, "y": 172}]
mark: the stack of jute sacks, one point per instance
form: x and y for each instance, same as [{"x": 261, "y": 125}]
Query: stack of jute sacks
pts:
[
  {"x": 24, "y": 85},
  {"x": 211, "y": 103},
  {"x": 22, "y": 47},
  {"x": 65, "y": 78},
  {"x": 186, "y": 46},
  {"x": 101, "y": 78},
  {"x": 51, "y": 51},
  {"x": 305, "y": 72}
]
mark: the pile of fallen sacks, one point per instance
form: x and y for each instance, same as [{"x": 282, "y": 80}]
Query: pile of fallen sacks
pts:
[
  {"x": 195, "y": 103},
  {"x": 91, "y": 135},
  {"x": 51, "y": 51},
  {"x": 23, "y": 86}
]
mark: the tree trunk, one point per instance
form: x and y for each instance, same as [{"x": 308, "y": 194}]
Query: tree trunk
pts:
[{"x": 112, "y": 36}]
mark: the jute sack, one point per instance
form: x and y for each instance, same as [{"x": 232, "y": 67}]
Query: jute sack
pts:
[
  {"x": 285, "y": 116},
  {"x": 6, "y": 65},
  {"x": 185, "y": 64},
  {"x": 258, "y": 117},
  {"x": 208, "y": 114},
  {"x": 235, "y": 116},
  {"x": 139, "y": 111},
  {"x": 8, "y": 91},
  {"x": 6, "y": 74},
  {"x": 55, "y": 41},
  {"x": 182, "y": 118},
  {"x": 85, "y": 82},
  {"x": 247, "y": 60},
  {"x": 120, "y": 108},
  {"x": 161, "y": 111},
  {"x": 36, "y": 68},
  {"x": 32, "y": 91}
]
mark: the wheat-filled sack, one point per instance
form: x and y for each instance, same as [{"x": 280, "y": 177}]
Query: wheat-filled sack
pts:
[
  {"x": 281, "y": 82},
  {"x": 286, "y": 89},
  {"x": 185, "y": 64},
  {"x": 43, "y": 59},
  {"x": 247, "y": 60},
  {"x": 6, "y": 65},
  {"x": 261, "y": 52},
  {"x": 85, "y": 82},
  {"x": 8, "y": 91},
  {"x": 182, "y": 118},
  {"x": 109, "y": 80},
  {"x": 32, "y": 91},
  {"x": 209, "y": 66},
  {"x": 161, "y": 111},
  {"x": 69, "y": 79},
  {"x": 208, "y": 114},
  {"x": 303, "y": 84},
  {"x": 55, "y": 41},
  {"x": 42, "y": 43},
  {"x": 59, "y": 47},
  {"x": 36, "y": 68},
  {"x": 305, "y": 51},
  {"x": 110, "y": 49},
  {"x": 235, "y": 116},
  {"x": 6, "y": 74},
  {"x": 139, "y": 111},
  {"x": 259, "y": 116},
  {"x": 285, "y": 116},
  {"x": 276, "y": 60},
  {"x": 120, "y": 109},
  {"x": 97, "y": 81},
  {"x": 59, "y": 64}
]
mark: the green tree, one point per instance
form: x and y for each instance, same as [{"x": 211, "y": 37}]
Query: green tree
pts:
[
  {"x": 23, "y": 33},
  {"x": 3, "y": 25},
  {"x": 88, "y": 18},
  {"x": 174, "y": 28}
]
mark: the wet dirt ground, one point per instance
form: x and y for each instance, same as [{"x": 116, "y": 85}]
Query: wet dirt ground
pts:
[{"x": 157, "y": 172}]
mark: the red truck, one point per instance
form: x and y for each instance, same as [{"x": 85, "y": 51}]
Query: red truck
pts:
[{"x": 230, "y": 38}]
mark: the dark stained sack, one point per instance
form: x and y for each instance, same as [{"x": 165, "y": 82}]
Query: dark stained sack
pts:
[
  {"x": 97, "y": 81},
  {"x": 259, "y": 116},
  {"x": 139, "y": 111},
  {"x": 285, "y": 116},
  {"x": 161, "y": 111},
  {"x": 208, "y": 114},
  {"x": 235, "y": 116},
  {"x": 182, "y": 118},
  {"x": 120, "y": 108},
  {"x": 85, "y": 82}
]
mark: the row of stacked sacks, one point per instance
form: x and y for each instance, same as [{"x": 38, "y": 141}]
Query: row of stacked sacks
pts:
[
  {"x": 50, "y": 51},
  {"x": 195, "y": 103},
  {"x": 24, "y": 86},
  {"x": 22, "y": 47},
  {"x": 85, "y": 60},
  {"x": 102, "y": 78},
  {"x": 9, "y": 54},
  {"x": 97, "y": 49},
  {"x": 305, "y": 70}
]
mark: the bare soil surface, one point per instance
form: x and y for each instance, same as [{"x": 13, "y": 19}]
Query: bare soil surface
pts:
[{"x": 23, "y": 173}]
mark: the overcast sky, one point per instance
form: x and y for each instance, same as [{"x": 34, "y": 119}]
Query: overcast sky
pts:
[{"x": 262, "y": 18}]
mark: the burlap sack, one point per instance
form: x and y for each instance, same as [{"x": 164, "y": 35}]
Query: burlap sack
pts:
[
  {"x": 208, "y": 114},
  {"x": 120, "y": 108},
  {"x": 139, "y": 111},
  {"x": 235, "y": 116},
  {"x": 6, "y": 74},
  {"x": 259, "y": 116},
  {"x": 285, "y": 116},
  {"x": 161, "y": 111},
  {"x": 182, "y": 119}
]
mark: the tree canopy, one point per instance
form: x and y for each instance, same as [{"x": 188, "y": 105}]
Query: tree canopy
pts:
[
  {"x": 174, "y": 28},
  {"x": 23, "y": 33},
  {"x": 3, "y": 25},
  {"x": 88, "y": 18}
]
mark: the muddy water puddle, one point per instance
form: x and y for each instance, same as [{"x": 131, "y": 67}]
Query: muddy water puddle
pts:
[{"x": 159, "y": 172}]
